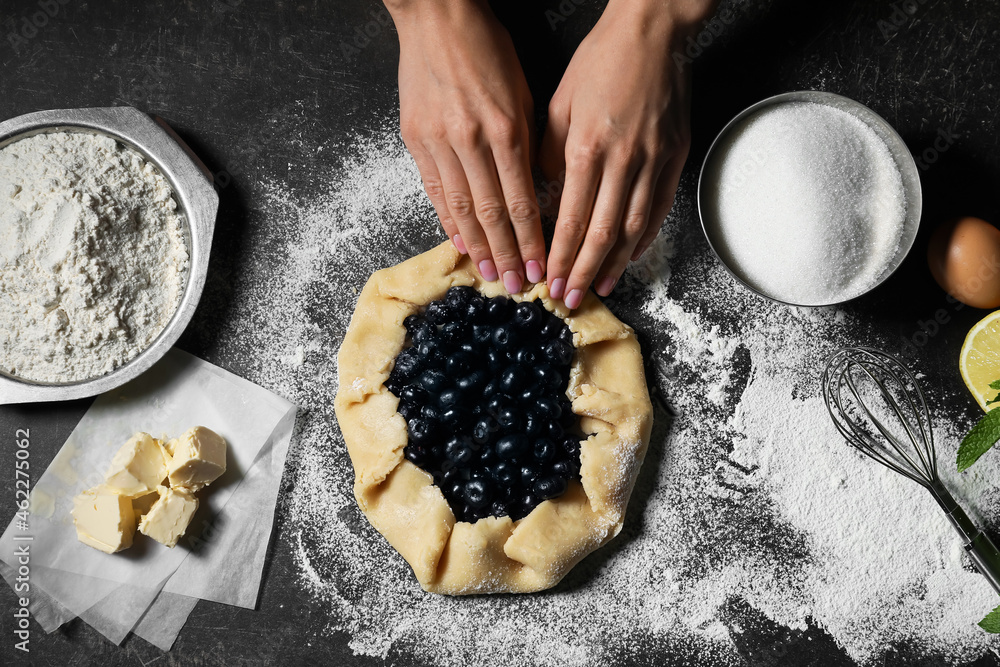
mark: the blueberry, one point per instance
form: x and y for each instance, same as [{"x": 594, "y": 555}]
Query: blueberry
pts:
[
  {"x": 483, "y": 430},
  {"x": 566, "y": 335},
  {"x": 558, "y": 351},
  {"x": 528, "y": 317},
  {"x": 504, "y": 337},
  {"x": 407, "y": 364},
  {"x": 509, "y": 420},
  {"x": 459, "y": 452},
  {"x": 449, "y": 398},
  {"x": 412, "y": 393},
  {"x": 422, "y": 332},
  {"x": 571, "y": 445},
  {"x": 408, "y": 410},
  {"x": 566, "y": 417},
  {"x": 562, "y": 469},
  {"x": 468, "y": 347},
  {"x": 527, "y": 357},
  {"x": 533, "y": 425},
  {"x": 498, "y": 309},
  {"x": 430, "y": 413},
  {"x": 492, "y": 389},
  {"x": 551, "y": 329},
  {"x": 487, "y": 455},
  {"x": 547, "y": 376},
  {"x": 549, "y": 487},
  {"x": 456, "y": 417},
  {"x": 495, "y": 360},
  {"x": 511, "y": 446},
  {"x": 528, "y": 475},
  {"x": 420, "y": 430},
  {"x": 459, "y": 363},
  {"x": 461, "y": 295},
  {"x": 470, "y": 382},
  {"x": 453, "y": 332},
  {"x": 474, "y": 311},
  {"x": 495, "y": 404},
  {"x": 555, "y": 431},
  {"x": 513, "y": 379},
  {"x": 549, "y": 408},
  {"x": 433, "y": 381},
  {"x": 505, "y": 474},
  {"x": 411, "y": 322},
  {"x": 530, "y": 396},
  {"x": 477, "y": 493},
  {"x": 429, "y": 350},
  {"x": 545, "y": 450},
  {"x": 482, "y": 334},
  {"x": 393, "y": 384},
  {"x": 438, "y": 312},
  {"x": 415, "y": 454},
  {"x": 455, "y": 491},
  {"x": 499, "y": 508}
]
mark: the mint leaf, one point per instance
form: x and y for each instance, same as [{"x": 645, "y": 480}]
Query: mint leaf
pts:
[
  {"x": 979, "y": 440},
  {"x": 994, "y": 385},
  {"x": 992, "y": 621}
]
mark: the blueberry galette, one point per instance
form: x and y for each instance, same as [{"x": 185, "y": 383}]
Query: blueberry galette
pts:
[{"x": 495, "y": 438}]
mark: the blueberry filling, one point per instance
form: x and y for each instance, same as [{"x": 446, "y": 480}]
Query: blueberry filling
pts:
[{"x": 482, "y": 386}]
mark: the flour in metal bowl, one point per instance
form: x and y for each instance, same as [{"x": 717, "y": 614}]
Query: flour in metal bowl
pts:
[{"x": 93, "y": 256}]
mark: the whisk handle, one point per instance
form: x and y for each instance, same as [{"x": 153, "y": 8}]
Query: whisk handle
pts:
[{"x": 984, "y": 554}]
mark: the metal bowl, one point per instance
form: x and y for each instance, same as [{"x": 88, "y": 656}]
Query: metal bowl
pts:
[
  {"x": 197, "y": 202},
  {"x": 897, "y": 148}
]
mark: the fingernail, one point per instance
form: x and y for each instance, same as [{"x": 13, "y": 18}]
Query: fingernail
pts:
[
  {"x": 573, "y": 299},
  {"x": 557, "y": 287},
  {"x": 459, "y": 244},
  {"x": 534, "y": 271},
  {"x": 605, "y": 287},
  {"x": 512, "y": 281},
  {"x": 637, "y": 254},
  {"x": 488, "y": 270}
]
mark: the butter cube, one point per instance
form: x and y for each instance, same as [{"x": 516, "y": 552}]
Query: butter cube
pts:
[
  {"x": 142, "y": 504},
  {"x": 104, "y": 519},
  {"x": 199, "y": 457},
  {"x": 138, "y": 467},
  {"x": 169, "y": 516}
]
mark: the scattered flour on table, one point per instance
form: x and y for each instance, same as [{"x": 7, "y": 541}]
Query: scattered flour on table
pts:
[
  {"x": 750, "y": 511},
  {"x": 93, "y": 255}
]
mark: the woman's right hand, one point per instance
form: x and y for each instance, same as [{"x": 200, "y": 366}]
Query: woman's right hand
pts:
[{"x": 466, "y": 117}]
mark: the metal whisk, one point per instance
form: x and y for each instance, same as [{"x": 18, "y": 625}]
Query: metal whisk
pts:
[{"x": 899, "y": 435}]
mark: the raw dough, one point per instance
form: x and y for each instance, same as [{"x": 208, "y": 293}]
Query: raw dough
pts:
[{"x": 495, "y": 555}]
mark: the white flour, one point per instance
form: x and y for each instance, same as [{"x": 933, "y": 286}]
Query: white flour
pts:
[
  {"x": 93, "y": 256},
  {"x": 748, "y": 500}
]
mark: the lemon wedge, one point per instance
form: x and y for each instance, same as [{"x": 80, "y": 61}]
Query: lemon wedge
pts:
[{"x": 980, "y": 360}]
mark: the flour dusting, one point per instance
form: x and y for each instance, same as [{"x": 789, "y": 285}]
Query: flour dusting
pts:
[{"x": 750, "y": 515}]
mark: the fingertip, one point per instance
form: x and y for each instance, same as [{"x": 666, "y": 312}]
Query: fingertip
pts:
[
  {"x": 606, "y": 285},
  {"x": 459, "y": 244},
  {"x": 556, "y": 288},
  {"x": 488, "y": 270},
  {"x": 512, "y": 281},
  {"x": 533, "y": 269},
  {"x": 574, "y": 299}
]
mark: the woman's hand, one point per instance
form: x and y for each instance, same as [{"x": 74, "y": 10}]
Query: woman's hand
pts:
[
  {"x": 617, "y": 136},
  {"x": 466, "y": 117}
]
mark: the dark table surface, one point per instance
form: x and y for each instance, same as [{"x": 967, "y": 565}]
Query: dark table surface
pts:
[{"x": 254, "y": 85}]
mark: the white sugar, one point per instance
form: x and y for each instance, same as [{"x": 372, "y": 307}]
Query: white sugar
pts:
[{"x": 809, "y": 203}]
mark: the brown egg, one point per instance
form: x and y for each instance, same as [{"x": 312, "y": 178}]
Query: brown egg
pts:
[{"x": 964, "y": 257}]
